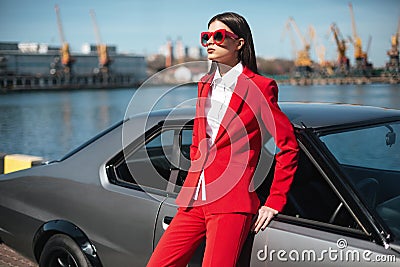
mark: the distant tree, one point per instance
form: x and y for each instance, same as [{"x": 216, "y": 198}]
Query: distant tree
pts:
[{"x": 274, "y": 66}]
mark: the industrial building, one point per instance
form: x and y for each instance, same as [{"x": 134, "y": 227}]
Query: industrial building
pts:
[{"x": 38, "y": 66}]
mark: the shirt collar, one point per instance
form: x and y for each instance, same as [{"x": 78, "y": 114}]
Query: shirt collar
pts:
[{"x": 230, "y": 78}]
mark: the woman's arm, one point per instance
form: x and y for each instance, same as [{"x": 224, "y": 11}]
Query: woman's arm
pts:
[
  {"x": 281, "y": 129},
  {"x": 279, "y": 126}
]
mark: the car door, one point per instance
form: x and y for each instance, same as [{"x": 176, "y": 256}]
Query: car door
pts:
[
  {"x": 288, "y": 243},
  {"x": 316, "y": 229},
  {"x": 139, "y": 175},
  {"x": 180, "y": 164}
]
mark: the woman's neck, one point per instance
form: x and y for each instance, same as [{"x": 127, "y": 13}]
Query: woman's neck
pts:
[{"x": 224, "y": 68}]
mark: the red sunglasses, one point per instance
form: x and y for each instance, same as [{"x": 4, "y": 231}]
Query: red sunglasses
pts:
[{"x": 218, "y": 36}]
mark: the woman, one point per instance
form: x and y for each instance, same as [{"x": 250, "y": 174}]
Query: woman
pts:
[{"x": 236, "y": 107}]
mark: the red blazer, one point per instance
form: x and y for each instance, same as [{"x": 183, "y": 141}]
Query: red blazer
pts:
[{"x": 229, "y": 164}]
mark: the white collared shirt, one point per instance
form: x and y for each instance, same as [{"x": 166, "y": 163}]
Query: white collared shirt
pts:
[{"x": 215, "y": 108}]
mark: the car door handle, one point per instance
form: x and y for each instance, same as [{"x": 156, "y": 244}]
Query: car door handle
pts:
[{"x": 166, "y": 221}]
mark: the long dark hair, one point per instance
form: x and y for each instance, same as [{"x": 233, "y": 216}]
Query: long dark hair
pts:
[{"x": 241, "y": 28}]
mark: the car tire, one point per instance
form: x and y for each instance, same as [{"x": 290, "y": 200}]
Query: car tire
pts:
[{"x": 60, "y": 250}]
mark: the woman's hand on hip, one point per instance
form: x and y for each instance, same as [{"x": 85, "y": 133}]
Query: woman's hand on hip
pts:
[{"x": 264, "y": 216}]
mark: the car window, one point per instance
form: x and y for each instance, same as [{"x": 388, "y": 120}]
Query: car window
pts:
[
  {"x": 186, "y": 141},
  {"x": 184, "y": 164},
  {"x": 370, "y": 157},
  {"x": 165, "y": 139},
  {"x": 149, "y": 165},
  {"x": 187, "y": 137},
  {"x": 372, "y": 147},
  {"x": 312, "y": 197},
  {"x": 270, "y": 146}
]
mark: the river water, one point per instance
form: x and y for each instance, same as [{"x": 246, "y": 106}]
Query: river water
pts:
[{"x": 50, "y": 124}]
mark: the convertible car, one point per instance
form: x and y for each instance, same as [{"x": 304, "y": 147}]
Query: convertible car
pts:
[{"x": 108, "y": 202}]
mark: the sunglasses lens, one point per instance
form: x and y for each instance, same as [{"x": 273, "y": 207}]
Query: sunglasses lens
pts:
[
  {"x": 204, "y": 38},
  {"x": 218, "y": 37}
]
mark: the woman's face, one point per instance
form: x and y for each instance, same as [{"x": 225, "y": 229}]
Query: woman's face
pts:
[{"x": 227, "y": 52}]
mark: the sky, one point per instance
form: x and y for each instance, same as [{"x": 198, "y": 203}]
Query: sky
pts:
[{"x": 141, "y": 27}]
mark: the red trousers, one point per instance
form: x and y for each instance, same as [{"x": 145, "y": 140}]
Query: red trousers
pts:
[{"x": 225, "y": 235}]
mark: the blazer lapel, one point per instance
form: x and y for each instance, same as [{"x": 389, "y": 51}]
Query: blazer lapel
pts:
[{"x": 205, "y": 84}]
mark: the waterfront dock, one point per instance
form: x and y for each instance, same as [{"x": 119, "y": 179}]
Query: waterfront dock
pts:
[
  {"x": 35, "y": 83},
  {"x": 339, "y": 80},
  {"x": 47, "y": 83}
]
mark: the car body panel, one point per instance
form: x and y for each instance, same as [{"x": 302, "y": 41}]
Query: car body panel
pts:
[
  {"x": 285, "y": 244},
  {"x": 327, "y": 115}
]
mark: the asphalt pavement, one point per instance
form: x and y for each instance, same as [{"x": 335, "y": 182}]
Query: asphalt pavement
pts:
[{"x": 10, "y": 258}]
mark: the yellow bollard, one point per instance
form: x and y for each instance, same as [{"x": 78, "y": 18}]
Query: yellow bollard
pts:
[{"x": 16, "y": 162}]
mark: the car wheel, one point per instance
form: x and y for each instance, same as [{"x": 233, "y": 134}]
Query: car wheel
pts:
[{"x": 61, "y": 251}]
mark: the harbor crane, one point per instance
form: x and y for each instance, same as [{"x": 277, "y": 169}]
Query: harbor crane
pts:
[
  {"x": 361, "y": 57},
  {"x": 66, "y": 58},
  {"x": 104, "y": 59},
  {"x": 343, "y": 61},
  {"x": 303, "y": 61},
  {"x": 324, "y": 67},
  {"x": 292, "y": 39},
  {"x": 393, "y": 65}
]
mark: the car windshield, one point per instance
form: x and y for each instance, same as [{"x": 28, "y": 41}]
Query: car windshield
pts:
[{"x": 370, "y": 157}]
